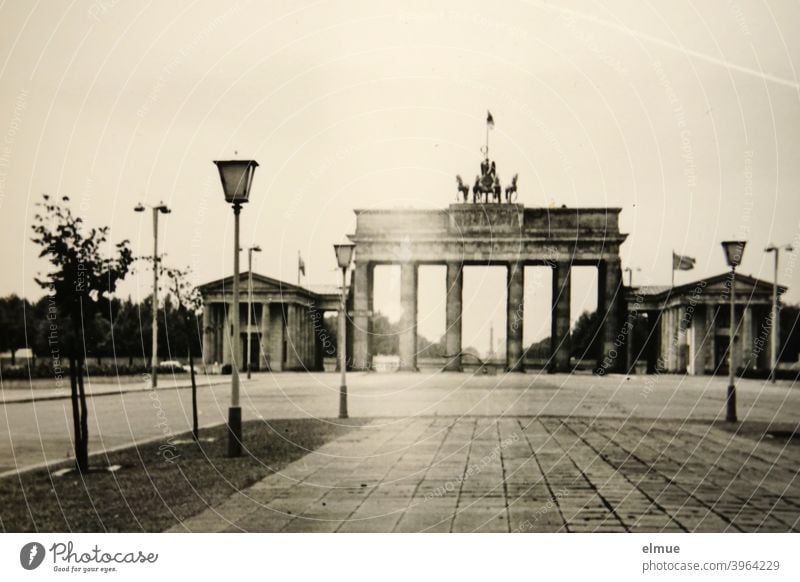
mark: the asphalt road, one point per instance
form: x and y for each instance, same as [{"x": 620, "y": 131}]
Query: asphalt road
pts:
[{"x": 37, "y": 432}]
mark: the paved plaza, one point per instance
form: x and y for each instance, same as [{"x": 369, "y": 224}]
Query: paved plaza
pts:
[
  {"x": 456, "y": 452},
  {"x": 524, "y": 474}
]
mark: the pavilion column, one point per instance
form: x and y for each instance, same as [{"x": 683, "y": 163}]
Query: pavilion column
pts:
[
  {"x": 455, "y": 289},
  {"x": 632, "y": 312},
  {"x": 746, "y": 334},
  {"x": 291, "y": 337},
  {"x": 227, "y": 333},
  {"x": 560, "y": 345},
  {"x": 764, "y": 335},
  {"x": 263, "y": 345},
  {"x": 711, "y": 337},
  {"x": 672, "y": 338},
  {"x": 361, "y": 327},
  {"x": 408, "y": 321},
  {"x": 699, "y": 340},
  {"x": 515, "y": 303},
  {"x": 208, "y": 334},
  {"x": 609, "y": 309}
]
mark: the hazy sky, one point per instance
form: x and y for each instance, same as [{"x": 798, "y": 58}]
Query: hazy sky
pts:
[{"x": 687, "y": 115}]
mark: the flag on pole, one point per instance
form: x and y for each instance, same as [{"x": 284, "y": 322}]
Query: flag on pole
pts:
[
  {"x": 301, "y": 266},
  {"x": 489, "y": 120},
  {"x": 681, "y": 262}
]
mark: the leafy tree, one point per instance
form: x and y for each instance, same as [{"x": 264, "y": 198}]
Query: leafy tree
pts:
[
  {"x": 540, "y": 349},
  {"x": 429, "y": 349},
  {"x": 80, "y": 283},
  {"x": 585, "y": 337},
  {"x": 385, "y": 339},
  {"x": 128, "y": 329},
  {"x": 14, "y": 313}
]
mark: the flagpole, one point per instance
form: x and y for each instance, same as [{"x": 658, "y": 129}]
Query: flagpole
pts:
[
  {"x": 487, "y": 139},
  {"x": 298, "y": 267},
  {"x": 673, "y": 269}
]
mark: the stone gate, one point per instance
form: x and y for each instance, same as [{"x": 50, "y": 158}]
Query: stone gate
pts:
[{"x": 509, "y": 235}]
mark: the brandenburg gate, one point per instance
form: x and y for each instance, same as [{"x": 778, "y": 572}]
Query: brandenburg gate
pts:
[{"x": 489, "y": 234}]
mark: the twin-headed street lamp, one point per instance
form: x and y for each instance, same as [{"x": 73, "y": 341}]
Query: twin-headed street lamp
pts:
[
  {"x": 159, "y": 208},
  {"x": 252, "y": 249},
  {"x": 344, "y": 256},
  {"x": 236, "y": 177},
  {"x": 775, "y": 315},
  {"x": 734, "y": 249}
]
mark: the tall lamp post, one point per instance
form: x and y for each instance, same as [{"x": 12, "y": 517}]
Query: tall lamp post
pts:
[
  {"x": 236, "y": 177},
  {"x": 250, "y": 251},
  {"x": 630, "y": 271},
  {"x": 773, "y": 343},
  {"x": 734, "y": 249},
  {"x": 159, "y": 208},
  {"x": 344, "y": 255}
]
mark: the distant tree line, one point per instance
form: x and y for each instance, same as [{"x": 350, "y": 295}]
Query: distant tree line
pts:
[{"x": 122, "y": 329}]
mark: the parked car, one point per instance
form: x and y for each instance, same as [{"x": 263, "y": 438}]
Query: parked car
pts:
[{"x": 172, "y": 366}]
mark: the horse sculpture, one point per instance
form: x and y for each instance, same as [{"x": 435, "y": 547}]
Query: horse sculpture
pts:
[
  {"x": 511, "y": 190},
  {"x": 463, "y": 189},
  {"x": 476, "y": 190}
]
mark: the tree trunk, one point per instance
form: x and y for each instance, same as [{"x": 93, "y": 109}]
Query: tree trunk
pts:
[
  {"x": 76, "y": 414},
  {"x": 195, "y": 428},
  {"x": 83, "y": 453}
]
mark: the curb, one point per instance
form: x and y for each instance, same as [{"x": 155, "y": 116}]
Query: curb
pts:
[{"x": 107, "y": 393}]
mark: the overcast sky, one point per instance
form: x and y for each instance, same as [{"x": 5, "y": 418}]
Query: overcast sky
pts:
[{"x": 686, "y": 115}]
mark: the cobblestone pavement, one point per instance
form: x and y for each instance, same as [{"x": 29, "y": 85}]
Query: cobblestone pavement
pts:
[{"x": 525, "y": 474}]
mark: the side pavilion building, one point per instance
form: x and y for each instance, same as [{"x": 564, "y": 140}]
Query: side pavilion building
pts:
[
  {"x": 685, "y": 329},
  {"x": 286, "y": 331}
]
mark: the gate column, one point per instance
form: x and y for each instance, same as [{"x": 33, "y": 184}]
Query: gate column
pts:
[
  {"x": 609, "y": 310},
  {"x": 560, "y": 345},
  {"x": 360, "y": 328},
  {"x": 515, "y": 360},
  {"x": 455, "y": 288},
  {"x": 408, "y": 321}
]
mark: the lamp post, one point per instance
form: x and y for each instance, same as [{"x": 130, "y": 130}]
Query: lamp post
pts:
[
  {"x": 773, "y": 343},
  {"x": 344, "y": 255},
  {"x": 236, "y": 177},
  {"x": 630, "y": 271},
  {"x": 159, "y": 208},
  {"x": 250, "y": 251},
  {"x": 734, "y": 249}
]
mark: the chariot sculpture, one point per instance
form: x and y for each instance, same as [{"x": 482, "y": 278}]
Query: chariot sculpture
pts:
[{"x": 487, "y": 187}]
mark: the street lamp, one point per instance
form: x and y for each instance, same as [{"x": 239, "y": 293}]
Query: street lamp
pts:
[
  {"x": 775, "y": 321},
  {"x": 250, "y": 251},
  {"x": 630, "y": 274},
  {"x": 236, "y": 177},
  {"x": 159, "y": 208},
  {"x": 344, "y": 255},
  {"x": 734, "y": 249}
]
